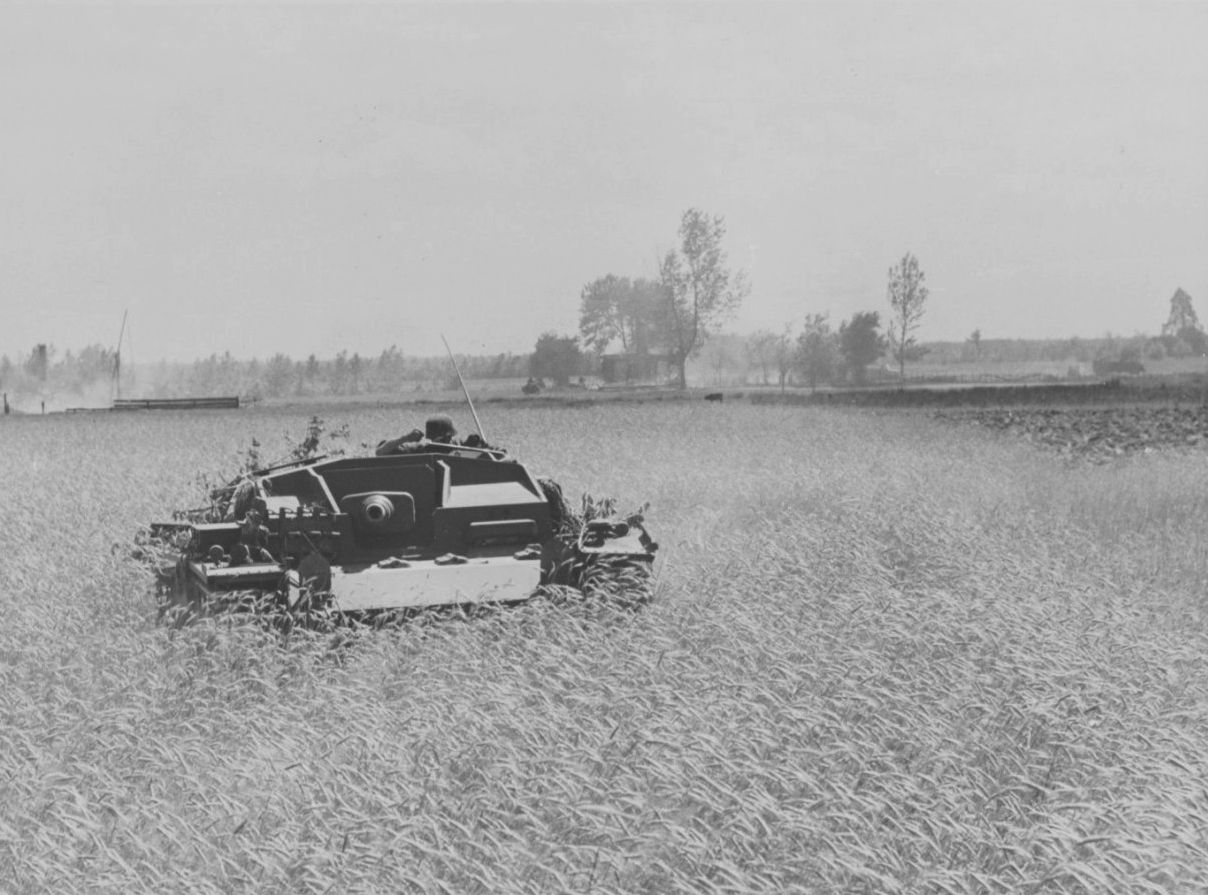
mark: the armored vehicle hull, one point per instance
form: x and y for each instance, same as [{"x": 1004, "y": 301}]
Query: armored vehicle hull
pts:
[{"x": 448, "y": 526}]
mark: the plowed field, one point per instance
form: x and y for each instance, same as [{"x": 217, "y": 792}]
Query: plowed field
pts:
[{"x": 1098, "y": 433}]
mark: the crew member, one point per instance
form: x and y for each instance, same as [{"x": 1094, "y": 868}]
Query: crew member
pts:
[
  {"x": 253, "y": 541},
  {"x": 438, "y": 429}
]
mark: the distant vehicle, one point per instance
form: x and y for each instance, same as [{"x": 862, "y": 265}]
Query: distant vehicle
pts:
[{"x": 361, "y": 536}]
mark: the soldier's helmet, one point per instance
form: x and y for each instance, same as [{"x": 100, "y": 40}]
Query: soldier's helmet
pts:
[{"x": 439, "y": 428}]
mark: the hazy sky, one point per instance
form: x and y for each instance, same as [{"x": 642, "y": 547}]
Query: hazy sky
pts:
[{"x": 306, "y": 178}]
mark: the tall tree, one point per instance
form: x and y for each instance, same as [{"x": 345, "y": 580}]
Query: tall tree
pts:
[
  {"x": 614, "y": 308},
  {"x": 38, "y": 363},
  {"x": 556, "y": 357},
  {"x": 699, "y": 289},
  {"x": 861, "y": 343},
  {"x": 907, "y": 301},
  {"x": 817, "y": 350},
  {"x": 1182, "y": 333},
  {"x": 1182, "y": 315}
]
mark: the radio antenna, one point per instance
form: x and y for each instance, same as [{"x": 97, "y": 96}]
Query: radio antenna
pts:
[{"x": 464, "y": 390}]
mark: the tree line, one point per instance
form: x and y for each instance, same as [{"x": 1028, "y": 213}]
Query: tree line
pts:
[
  {"x": 345, "y": 374},
  {"x": 674, "y": 315},
  {"x": 92, "y": 375},
  {"x": 647, "y": 323}
]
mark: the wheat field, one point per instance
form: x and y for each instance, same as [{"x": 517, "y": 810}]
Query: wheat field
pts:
[{"x": 885, "y": 655}]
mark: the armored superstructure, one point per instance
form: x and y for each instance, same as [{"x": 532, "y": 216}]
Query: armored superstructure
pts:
[{"x": 447, "y": 525}]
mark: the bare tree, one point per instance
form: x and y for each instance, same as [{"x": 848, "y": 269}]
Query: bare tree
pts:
[
  {"x": 907, "y": 301},
  {"x": 700, "y": 290}
]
